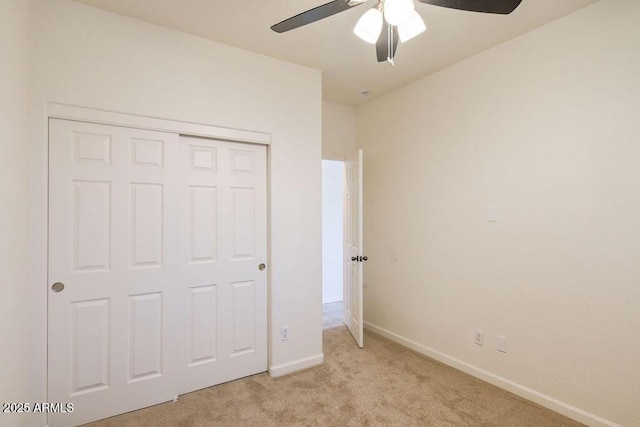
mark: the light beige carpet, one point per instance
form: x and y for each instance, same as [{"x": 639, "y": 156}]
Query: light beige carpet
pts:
[{"x": 382, "y": 384}]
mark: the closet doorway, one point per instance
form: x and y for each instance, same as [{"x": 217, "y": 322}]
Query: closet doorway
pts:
[{"x": 157, "y": 244}]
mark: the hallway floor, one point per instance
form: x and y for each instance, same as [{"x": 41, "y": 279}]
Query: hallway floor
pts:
[{"x": 332, "y": 315}]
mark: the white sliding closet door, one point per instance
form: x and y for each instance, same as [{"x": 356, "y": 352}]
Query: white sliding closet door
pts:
[
  {"x": 114, "y": 247},
  {"x": 223, "y": 242}
]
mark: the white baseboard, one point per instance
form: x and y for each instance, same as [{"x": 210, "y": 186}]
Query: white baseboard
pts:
[
  {"x": 329, "y": 300},
  {"x": 296, "y": 365},
  {"x": 513, "y": 387}
]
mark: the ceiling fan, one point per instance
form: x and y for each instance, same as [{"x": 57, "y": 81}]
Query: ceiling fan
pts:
[{"x": 403, "y": 22}]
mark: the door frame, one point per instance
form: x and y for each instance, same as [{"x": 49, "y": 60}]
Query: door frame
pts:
[
  {"x": 359, "y": 155},
  {"x": 103, "y": 117}
]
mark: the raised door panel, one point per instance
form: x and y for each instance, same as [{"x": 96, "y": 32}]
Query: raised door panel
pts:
[
  {"x": 203, "y": 223},
  {"x": 145, "y": 337},
  {"x": 202, "y": 324},
  {"x": 147, "y": 152},
  {"x": 203, "y": 158},
  {"x": 147, "y": 229},
  {"x": 90, "y": 346},
  {"x": 92, "y": 225},
  {"x": 244, "y": 317},
  {"x": 242, "y": 162},
  {"x": 92, "y": 147},
  {"x": 243, "y": 223}
]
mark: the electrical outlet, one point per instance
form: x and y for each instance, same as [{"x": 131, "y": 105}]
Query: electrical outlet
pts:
[
  {"x": 501, "y": 343},
  {"x": 479, "y": 337},
  {"x": 284, "y": 333}
]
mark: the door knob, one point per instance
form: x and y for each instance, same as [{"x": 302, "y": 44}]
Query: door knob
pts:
[
  {"x": 364, "y": 258},
  {"x": 57, "y": 287},
  {"x": 262, "y": 266},
  {"x": 354, "y": 258}
]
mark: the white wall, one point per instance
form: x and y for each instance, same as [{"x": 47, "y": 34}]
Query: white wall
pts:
[
  {"x": 14, "y": 179},
  {"x": 545, "y": 127},
  {"x": 332, "y": 230},
  {"x": 91, "y": 58},
  {"x": 338, "y": 131}
]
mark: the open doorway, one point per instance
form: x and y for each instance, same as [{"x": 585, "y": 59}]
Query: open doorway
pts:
[{"x": 332, "y": 243}]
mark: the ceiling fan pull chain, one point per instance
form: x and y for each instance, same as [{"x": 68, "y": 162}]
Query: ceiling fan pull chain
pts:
[{"x": 390, "y": 53}]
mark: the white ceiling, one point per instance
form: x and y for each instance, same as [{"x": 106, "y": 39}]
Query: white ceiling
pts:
[{"x": 348, "y": 65}]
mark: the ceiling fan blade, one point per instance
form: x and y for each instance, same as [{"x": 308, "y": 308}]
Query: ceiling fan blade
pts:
[
  {"x": 503, "y": 7},
  {"x": 382, "y": 45},
  {"x": 315, "y": 14}
]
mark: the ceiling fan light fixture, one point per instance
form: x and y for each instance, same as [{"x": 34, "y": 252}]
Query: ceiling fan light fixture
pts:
[
  {"x": 411, "y": 28},
  {"x": 369, "y": 26},
  {"x": 397, "y": 12}
]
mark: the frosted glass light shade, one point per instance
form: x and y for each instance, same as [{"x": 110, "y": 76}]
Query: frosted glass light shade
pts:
[
  {"x": 411, "y": 28},
  {"x": 369, "y": 26},
  {"x": 397, "y": 12}
]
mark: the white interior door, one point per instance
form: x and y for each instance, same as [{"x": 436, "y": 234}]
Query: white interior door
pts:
[
  {"x": 157, "y": 241},
  {"x": 353, "y": 271},
  {"x": 113, "y": 247},
  {"x": 224, "y": 241}
]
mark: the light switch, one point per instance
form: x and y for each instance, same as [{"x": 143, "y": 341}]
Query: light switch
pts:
[
  {"x": 501, "y": 344},
  {"x": 492, "y": 213}
]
